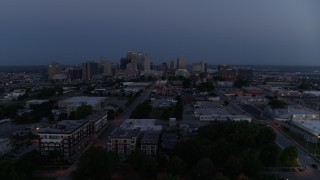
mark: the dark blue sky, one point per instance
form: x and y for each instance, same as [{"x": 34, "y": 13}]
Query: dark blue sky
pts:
[{"x": 285, "y": 32}]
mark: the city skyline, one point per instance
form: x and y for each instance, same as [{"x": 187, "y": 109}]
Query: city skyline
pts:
[{"x": 247, "y": 32}]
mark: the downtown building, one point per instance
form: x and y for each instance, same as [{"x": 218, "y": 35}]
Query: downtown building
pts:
[
  {"x": 199, "y": 67},
  {"x": 53, "y": 69},
  {"x": 89, "y": 70}
]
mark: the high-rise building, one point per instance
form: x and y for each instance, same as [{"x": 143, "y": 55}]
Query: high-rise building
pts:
[
  {"x": 199, "y": 67},
  {"x": 89, "y": 69},
  {"x": 53, "y": 69},
  {"x": 172, "y": 65},
  {"x": 181, "y": 63},
  {"x": 146, "y": 63},
  {"x": 106, "y": 68}
]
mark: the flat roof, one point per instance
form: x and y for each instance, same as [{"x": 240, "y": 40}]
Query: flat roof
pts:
[
  {"x": 210, "y": 111},
  {"x": 151, "y": 137},
  {"x": 312, "y": 126},
  {"x": 142, "y": 124},
  {"x": 124, "y": 133},
  {"x": 84, "y": 99},
  {"x": 63, "y": 127}
]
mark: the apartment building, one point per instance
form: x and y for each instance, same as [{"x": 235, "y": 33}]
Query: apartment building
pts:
[{"x": 69, "y": 137}]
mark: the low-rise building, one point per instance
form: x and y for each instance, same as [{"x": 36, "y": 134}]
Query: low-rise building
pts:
[
  {"x": 141, "y": 124},
  {"x": 100, "y": 119},
  {"x": 72, "y": 104},
  {"x": 150, "y": 142},
  {"x": 211, "y": 114},
  {"x": 124, "y": 142},
  {"x": 35, "y": 102},
  {"x": 69, "y": 137}
]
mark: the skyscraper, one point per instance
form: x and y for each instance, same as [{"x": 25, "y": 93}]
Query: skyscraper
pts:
[
  {"x": 53, "y": 69},
  {"x": 181, "y": 63},
  {"x": 89, "y": 69},
  {"x": 199, "y": 67},
  {"x": 146, "y": 63},
  {"x": 106, "y": 68}
]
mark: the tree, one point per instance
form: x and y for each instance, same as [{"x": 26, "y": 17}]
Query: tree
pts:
[
  {"x": 96, "y": 163},
  {"x": 149, "y": 168},
  {"x": 269, "y": 155},
  {"x": 275, "y": 104},
  {"x": 289, "y": 156},
  {"x": 203, "y": 170},
  {"x": 82, "y": 112},
  {"x": 251, "y": 166},
  {"x": 176, "y": 166},
  {"x": 266, "y": 136},
  {"x": 233, "y": 167},
  {"x": 135, "y": 159}
]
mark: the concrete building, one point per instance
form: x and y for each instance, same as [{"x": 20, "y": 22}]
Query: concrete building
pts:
[
  {"x": 5, "y": 146},
  {"x": 310, "y": 126},
  {"x": 73, "y": 103},
  {"x": 199, "y": 67},
  {"x": 69, "y": 137},
  {"x": 182, "y": 72},
  {"x": 106, "y": 68},
  {"x": 211, "y": 114},
  {"x": 141, "y": 124},
  {"x": 89, "y": 70},
  {"x": 146, "y": 64},
  {"x": 181, "y": 64},
  {"x": 35, "y": 102},
  {"x": 53, "y": 69},
  {"x": 123, "y": 141},
  {"x": 172, "y": 65},
  {"x": 150, "y": 143},
  {"x": 100, "y": 119}
]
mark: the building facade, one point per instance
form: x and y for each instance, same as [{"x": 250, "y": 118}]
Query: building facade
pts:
[{"x": 69, "y": 137}]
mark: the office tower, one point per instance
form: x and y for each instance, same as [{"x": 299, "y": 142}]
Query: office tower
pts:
[
  {"x": 146, "y": 63},
  {"x": 89, "y": 69},
  {"x": 172, "y": 65},
  {"x": 53, "y": 69},
  {"x": 181, "y": 63},
  {"x": 106, "y": 68},
  {"x": 199, "y": 67}
]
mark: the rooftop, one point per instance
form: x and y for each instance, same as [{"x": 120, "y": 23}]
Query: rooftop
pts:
[
  {"x": 210, "y": 111},
  {"x": 84, "y": 99},
  {"x": 312, "y": 126},
  {"x": 63, "y": 127},
  {"x": 142, "y": 124},
  {"x": 150, "y": 137},
  {"x": 124, "y": 133}
]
